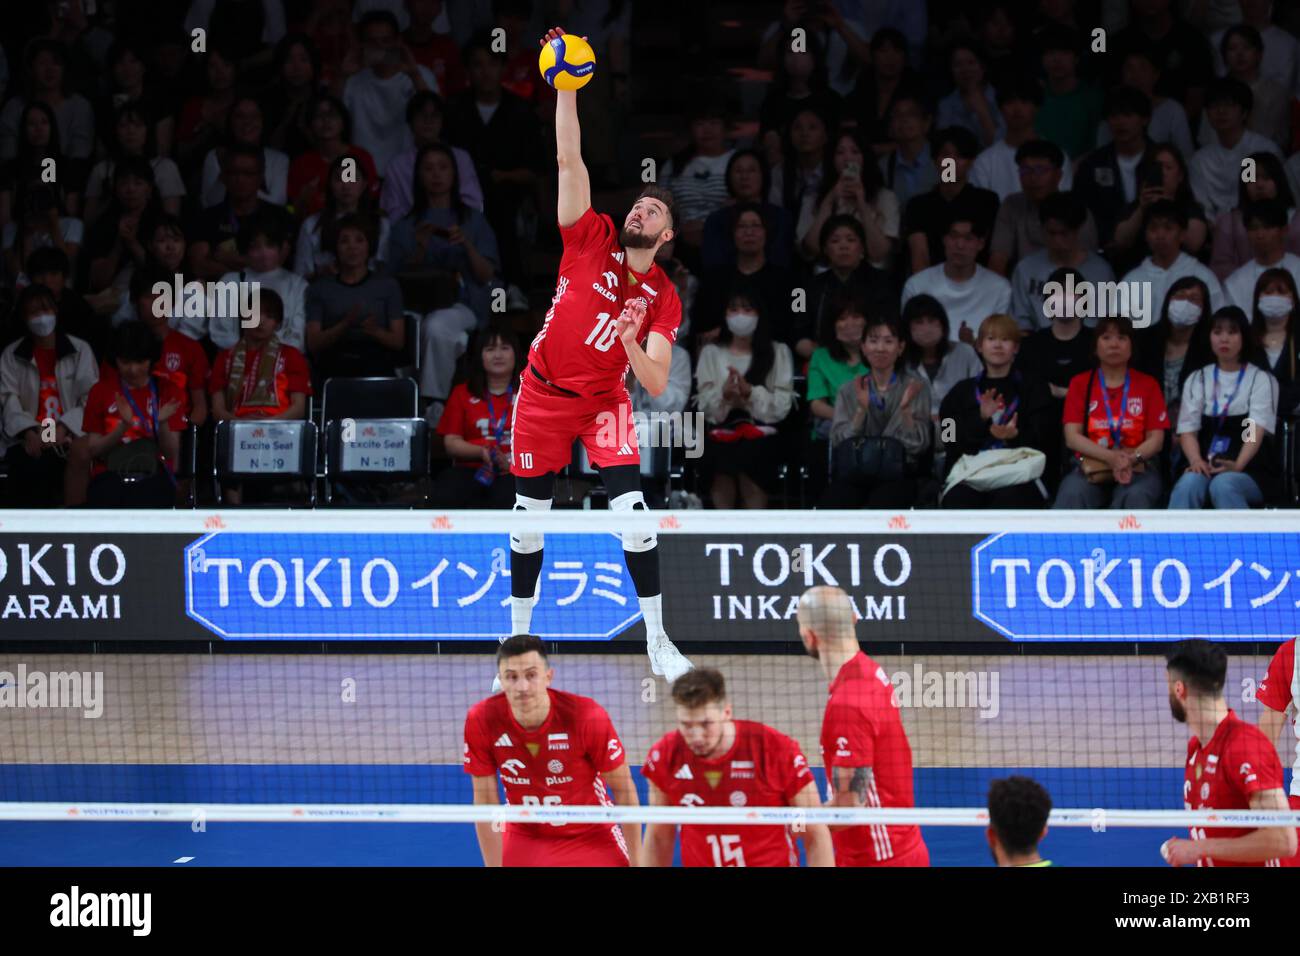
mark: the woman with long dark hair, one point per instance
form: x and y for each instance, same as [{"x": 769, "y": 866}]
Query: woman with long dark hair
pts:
[
  {"x": 931, "y": 353},
  {"x": 133, "y": 135},
  {"x": 857, "y": 190},
  {"x": 1179, "y": 342},
  {"x": 887, "y": 406},
  {"x": 745, "y": 385},
  {"x": 346, "y": 196},
  {"x": 296, "y": 66},
  {"x": 38, "y": 147},
  {"x": 800, "y": 82},
  {"x": 807, "y": 161},
  {"x": 1226, "y": 423},
  {"x": 117, "y": 238},
  {"x": 476, "y": 425},
  {"x": 1275, "y": 322},
  {"x": 129, "y": 82}
]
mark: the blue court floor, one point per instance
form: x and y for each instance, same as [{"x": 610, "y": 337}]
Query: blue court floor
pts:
[{"x": 421, "y": 844}]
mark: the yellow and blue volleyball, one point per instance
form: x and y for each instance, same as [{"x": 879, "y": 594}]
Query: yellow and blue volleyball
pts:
[{"x": 567, "y": 62}]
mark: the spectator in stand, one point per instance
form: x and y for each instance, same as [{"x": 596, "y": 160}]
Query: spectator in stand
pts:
[
  {"x": 697, "y": 177},
  {"x": 1281, "y": 49},
  {"x": 1242, "y": 49},
  {"x": 1115, "y": 423},
  {"x": 331, "y": 139},
  {"x": 38, "y": 222},
  {"x": 521, "y": 76},
  {"x": 800, "y": 83},
  {"x": 1165, "y": 225},
  {"x": 245, "y": 125},
  {"x": 1231, "y": 243},
  {"x": 49, "y": 267},
  {"x": 1007, "y": 52},
  {"x": 181, "y": 360},
  {"x": 748, "y": 181},
  {"x": 476, "y": 426},
  {"x": 972, "y": 105},
  {"x": 132, "y": 425},
  {"x": 1071, "y": 105},
  {"x": 968, "y": 292},
  {"x": 45, "y": 378},
  {"x": 435, "y": 51},
  {"x": 807, "y": 162},
  {"x": 117, "y": 238},
  {"x": 440, "y": 237},
  {"x": 38, "y": 147},
  {"x": 264, "y": 244},
  {"x": 1161, "y": 175},
  {"x": 909, "y": 169},
  {"x": 745, "y": 389},
  {"x": 840, "y": 27},
  {"x": 1168, "y": 118},
  {"x": 769, "y": 282},
  {"x": 203, "y": 119},
  {"x": 844, "y": 247},
  {"x": 132, "y": 138},
  {"x": 1063, "y": 216},
  {"x": 296, "y": 65},
  {"x": 1216, "y": 168},
  {"x": 1057, "y": 354},
  {"x": 1018, "y": 229},
  {"x": 164, "y": 240},
  {"x": 347, "y": 196},
  {"x": 1226, "y": 424},
  {"x": 1181, "y": 51},
  {"x": 856, "y": 191},
  {"x": 1276, "y": 325},
  {"x": 837, "y": 360},
  {"x": 1266, "y": 230},
  {"x": 1179, "y": 343},
  {"x": 661, "y": 412},
  {"x": 424, "y": 115},
  {"x": 998, "y": 409},
  {"x": 355, "y": 324},
  {"x": 213, "y": 235},
  {"x": 1107, "y": 179},
  {"x": 501, "y": 132},
  {"x": 129, "y": 82},
  {"x": 260, "y": 377},
  {"x": 379, "y": 84},
  {"x": 46, "y": 63},
  {"x": 887, "y": 403},
  {"x": 926, "y": 214},
  {"x": 872, "y": 101},
  {"x": 997, "y": 167},
  {"x": 932, "y": 354}
]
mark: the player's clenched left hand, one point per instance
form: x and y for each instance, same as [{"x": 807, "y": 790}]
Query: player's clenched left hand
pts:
[
  {"x": 1180, "y": 852},
  {"x": 628, "y": 322}
]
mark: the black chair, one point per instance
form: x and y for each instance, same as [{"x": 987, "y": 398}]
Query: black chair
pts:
[
  {"x": 229, "y": 465},
  {"x": 386, "y": 406}
]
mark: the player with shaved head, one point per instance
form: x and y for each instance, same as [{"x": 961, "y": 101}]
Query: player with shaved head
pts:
[{"x": 864, "y": 746}]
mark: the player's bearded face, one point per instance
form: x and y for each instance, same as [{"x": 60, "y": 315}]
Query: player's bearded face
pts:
[
  {"x": 634, "y": 236},
  {"x": 1176, "y": 707}
]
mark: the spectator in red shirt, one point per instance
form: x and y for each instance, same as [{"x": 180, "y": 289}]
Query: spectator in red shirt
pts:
[
  {"x": 133, "y": 422},
  {"x": 330, "y": 126},
  {"x": 475, "y": 426},
  {"x": 1115, "y": 423},
  {"x": 260, "y": 376},
  {"x": 183, "y": 361},
  {"x": 45, "y": 377},
  {"x": 437, "y": 51}
]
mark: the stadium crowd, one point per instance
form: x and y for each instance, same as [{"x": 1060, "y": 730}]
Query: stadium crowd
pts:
[{"x": 892, "y": 263}]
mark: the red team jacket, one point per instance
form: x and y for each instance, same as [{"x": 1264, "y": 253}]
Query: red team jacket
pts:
[
  {"x": 1223, "y": 773},
  {"x": 577, "y": 348},
  {"x": 862, "y": 728},
  {"x": 558, "y": 763},
  {"x": 763, "y": 768}
]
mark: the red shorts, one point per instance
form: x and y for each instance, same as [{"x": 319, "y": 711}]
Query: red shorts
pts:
[
  {"x": 522, "y": 849},
  {"x": 545, "y": 422},
  {"x": 919, "y": 855}
]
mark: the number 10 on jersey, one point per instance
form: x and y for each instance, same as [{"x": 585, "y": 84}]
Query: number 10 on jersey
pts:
[{"x": 604, "y": 334}]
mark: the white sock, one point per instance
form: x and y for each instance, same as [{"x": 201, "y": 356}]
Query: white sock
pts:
[
  {"x": 521, "y": 614},
  {"x": 653, "y": 612}
]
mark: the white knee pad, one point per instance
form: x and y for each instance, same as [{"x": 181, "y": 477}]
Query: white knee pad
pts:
[
  {"x": 634, "y": 540},
  {"x": 528, "y": 542}
]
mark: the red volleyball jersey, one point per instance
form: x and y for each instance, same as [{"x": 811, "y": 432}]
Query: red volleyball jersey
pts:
[
  {"x": 763, "y": 768},
  {"x": 577, "y": 348}
]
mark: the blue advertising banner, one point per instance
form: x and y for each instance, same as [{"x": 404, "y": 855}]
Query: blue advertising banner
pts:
[
  {"x": 359, "y": 586},
  {"x": 1136, "y": 587}
]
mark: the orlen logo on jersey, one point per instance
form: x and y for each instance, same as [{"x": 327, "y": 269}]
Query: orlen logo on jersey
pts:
[
  {"x": 1247, "y": 774},
  {"x": 692, "y": 800},
  {"x": 842, "y": 747},
  {"x": 514, "y": 766},
  {"x": 601, "y": 290},
  {"x": 615, "y": 748}
]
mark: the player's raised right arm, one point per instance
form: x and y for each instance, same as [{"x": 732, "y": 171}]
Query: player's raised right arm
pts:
[
  {"x": 489, "y": 836},
  {"x": 575, "y": 184}
]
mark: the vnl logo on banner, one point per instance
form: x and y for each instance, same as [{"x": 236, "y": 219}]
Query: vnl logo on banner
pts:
[
  {"x": 401, "y": 586},
  {"x": 1138, "y": 587}
]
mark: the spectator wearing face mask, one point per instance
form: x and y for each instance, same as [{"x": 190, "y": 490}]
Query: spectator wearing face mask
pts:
[
  {"x": 1178, "y": 343},
  {"x": 1275, "y": 322},
  {"x": 45, "y": 378}
]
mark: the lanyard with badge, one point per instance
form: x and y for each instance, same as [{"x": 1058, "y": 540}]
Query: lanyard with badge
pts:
[
  {"x": 486, "y": 474},
  {"x": 1113, "y": 425},
  {"x": 153, "y": 421},
  {"x": 1220, "y": 443}
]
